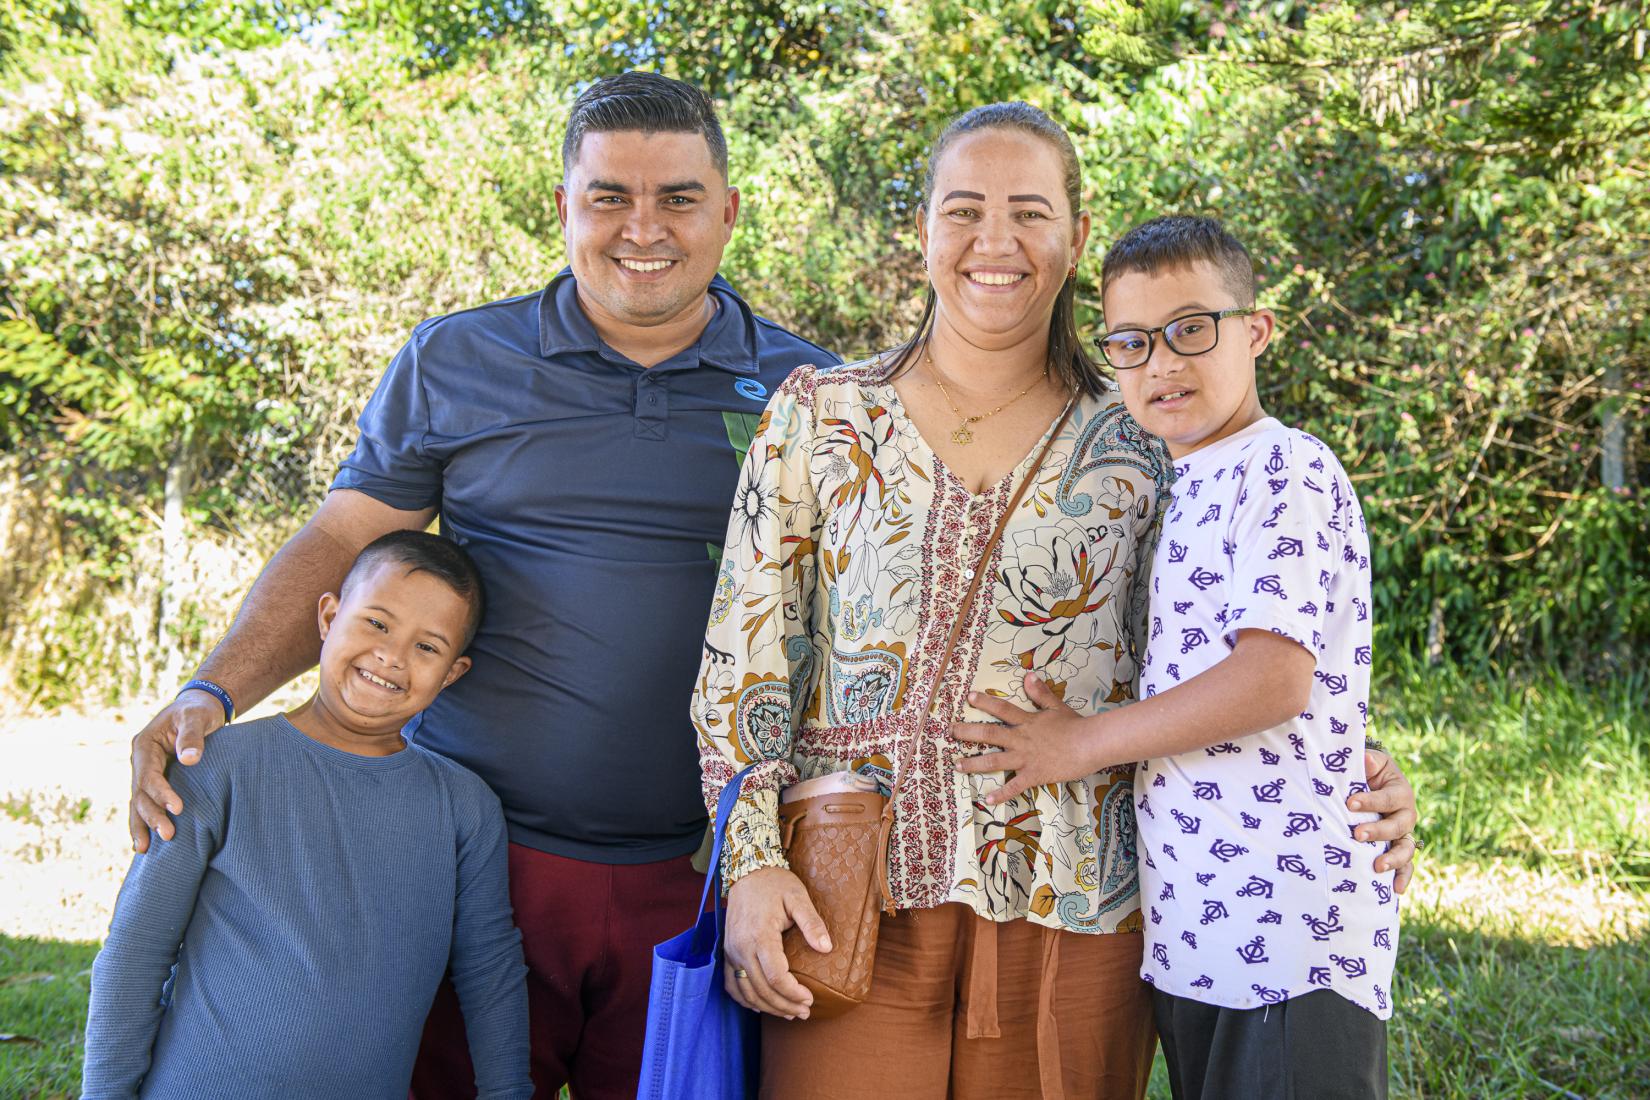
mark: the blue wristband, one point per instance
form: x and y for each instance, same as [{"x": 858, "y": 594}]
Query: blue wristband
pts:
[{"x": 216, "y": 692}]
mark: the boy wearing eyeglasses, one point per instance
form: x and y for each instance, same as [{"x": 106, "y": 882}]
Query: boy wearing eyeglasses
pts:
[{"x": 1271, "y": 926}]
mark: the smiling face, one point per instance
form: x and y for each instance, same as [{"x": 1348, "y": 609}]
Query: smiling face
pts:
[
  {"x": 646, "y": 217},
  {"x": 999, "y": 235},
  {"x": 1190, "y": 401},
  {"x": 389, "y": 647}
]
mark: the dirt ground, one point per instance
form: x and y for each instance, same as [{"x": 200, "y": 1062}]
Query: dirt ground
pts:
[{"x": 63, "y": 842}]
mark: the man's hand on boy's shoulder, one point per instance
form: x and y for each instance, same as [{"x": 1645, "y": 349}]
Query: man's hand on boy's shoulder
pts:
[
  {"x": 180, "y": 730},
  {"x": 1391, "y": 796}
]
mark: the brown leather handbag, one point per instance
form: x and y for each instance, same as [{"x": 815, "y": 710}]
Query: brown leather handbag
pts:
[
  {"x": 837, "y": 843},
  {"x": 831, "y": 842}
]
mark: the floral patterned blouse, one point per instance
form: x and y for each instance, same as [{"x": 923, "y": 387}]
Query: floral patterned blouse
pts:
[{"x": 848, "y": 555}]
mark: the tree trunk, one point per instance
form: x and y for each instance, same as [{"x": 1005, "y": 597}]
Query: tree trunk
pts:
[
  {"x": 11, "y": 572},
  {"x": 174, "y": 536},
  {"x": 1613, "y": 460},
  {"x": 1435, "y": 632}
]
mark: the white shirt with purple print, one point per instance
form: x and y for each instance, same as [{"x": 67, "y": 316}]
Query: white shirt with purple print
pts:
[{"x": 1254, "y": 889}]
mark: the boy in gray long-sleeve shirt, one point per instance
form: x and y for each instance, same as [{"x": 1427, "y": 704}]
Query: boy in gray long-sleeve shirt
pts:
[{"x": 325, "y": 875}]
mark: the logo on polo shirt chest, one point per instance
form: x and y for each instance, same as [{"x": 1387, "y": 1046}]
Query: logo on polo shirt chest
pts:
[{"x": 750, "y": 388}]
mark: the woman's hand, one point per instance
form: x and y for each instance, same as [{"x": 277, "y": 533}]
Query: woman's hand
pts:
[
  {"x": 1391, "y": 796},
  {"x": 760, "y": 907}
]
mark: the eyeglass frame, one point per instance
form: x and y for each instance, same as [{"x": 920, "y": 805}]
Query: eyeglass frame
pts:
[{"x": 1217, "y": 315}]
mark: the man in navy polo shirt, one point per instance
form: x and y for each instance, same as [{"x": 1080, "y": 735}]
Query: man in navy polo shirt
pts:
[{"x": 583, "y": 444}]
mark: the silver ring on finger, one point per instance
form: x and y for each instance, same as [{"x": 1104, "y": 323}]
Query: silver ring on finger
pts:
[{"x": 741, "y": 973}]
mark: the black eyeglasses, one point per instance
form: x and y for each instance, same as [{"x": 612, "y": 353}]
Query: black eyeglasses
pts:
[{"x": 1193, "y": 334}]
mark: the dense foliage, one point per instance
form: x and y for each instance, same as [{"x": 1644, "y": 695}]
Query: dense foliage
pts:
[{"x": 217, "y": 220}]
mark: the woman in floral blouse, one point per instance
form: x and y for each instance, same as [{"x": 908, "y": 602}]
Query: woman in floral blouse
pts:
[{"x": 866, "y": 500}]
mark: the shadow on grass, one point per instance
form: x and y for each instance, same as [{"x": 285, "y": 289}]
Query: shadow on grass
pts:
[
  {"x": 1480, "y": 1017},
  {"x": 1488, "y": 1016}
]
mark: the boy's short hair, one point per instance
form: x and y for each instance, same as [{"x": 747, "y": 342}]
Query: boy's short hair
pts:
[
  {"x": 1178, "y": 241},
  {"x": 647, "y": 102},
  {"x": 423, "y": 552}
]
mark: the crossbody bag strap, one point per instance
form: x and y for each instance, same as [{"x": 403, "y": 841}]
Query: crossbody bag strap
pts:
[
  {"x": 963, "y": 610},
  {"x": 990, "y": 546}
]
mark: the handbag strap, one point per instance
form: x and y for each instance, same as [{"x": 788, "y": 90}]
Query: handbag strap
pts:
[
  {"x": 963, "y": 610},
  {"x": 985, "y": 557}
]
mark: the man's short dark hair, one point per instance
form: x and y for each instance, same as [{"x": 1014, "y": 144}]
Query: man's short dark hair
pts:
[
  {"x": 647, "y": 102},
  {"x": 422, "y": 552},
  {"x": 1178, "y": 241}
]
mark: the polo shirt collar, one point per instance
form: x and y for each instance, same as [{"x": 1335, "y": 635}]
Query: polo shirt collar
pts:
[{"x": 727, "y": 343}]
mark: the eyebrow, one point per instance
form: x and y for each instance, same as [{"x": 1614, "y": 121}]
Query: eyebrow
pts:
[
  {"x": 975, "y": 195},
  {"x": 1174, "y": 315},
  {"x": 664, "y": 189},
  {"x": 1031, "y": 198}
]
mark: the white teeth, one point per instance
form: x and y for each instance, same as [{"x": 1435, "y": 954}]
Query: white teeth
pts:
[
  {"x": 1169, "y": 396},
  {"x": 371, "y": 679},
  {"x": 645, "y": 265},
  {"x": 992, "y": 279}
]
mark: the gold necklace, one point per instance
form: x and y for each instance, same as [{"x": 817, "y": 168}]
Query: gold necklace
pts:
[{"x": 962, "y": 437}]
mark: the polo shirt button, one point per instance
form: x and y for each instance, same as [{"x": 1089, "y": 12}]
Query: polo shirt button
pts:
[{"x": 652, "y": 399}]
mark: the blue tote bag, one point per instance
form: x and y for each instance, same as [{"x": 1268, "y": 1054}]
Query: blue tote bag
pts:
[{"x": 701, "y": 1045}]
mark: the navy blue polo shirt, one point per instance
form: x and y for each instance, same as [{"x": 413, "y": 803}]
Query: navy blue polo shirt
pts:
[{"x": 594, "y": 496}]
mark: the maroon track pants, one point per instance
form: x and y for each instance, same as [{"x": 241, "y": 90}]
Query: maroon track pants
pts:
[{"x": 588, "y": 931}]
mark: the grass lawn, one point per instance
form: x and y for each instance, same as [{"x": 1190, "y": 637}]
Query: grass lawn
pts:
[
  {"x": 1489, "y": 1010},
  {"x": 43, "y": 988},
  {"x": 1524, "y": 961}
]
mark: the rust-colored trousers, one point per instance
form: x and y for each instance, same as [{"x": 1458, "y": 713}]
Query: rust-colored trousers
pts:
[{"x": 962, "y": 1008}]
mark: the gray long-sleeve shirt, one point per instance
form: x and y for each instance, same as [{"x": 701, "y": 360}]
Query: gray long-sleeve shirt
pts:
[{"x": 310, "y": 903}]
